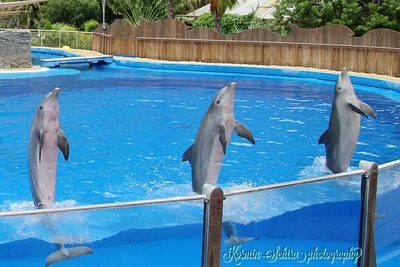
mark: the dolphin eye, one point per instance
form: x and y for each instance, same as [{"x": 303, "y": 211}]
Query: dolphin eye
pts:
[
  {"x": 41, "y": 107},
  {"x": 339, "y": 88},
  {"x": 218, "y": 102}
]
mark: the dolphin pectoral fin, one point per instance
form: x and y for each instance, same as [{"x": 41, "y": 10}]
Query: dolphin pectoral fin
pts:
[
  {"x": 40, "y": 145},
  {"x": 187, "y": 155},
  {"x": 367, "y": 109},
  {"x": 244, "y": 132},
  {"x": 222, "y": 138},
  {"x": 67, "y": 253},
  {"x": 362, "y": 109},
  {"x": 62, "y": 144},
  {"x": 324, "y": 137}
]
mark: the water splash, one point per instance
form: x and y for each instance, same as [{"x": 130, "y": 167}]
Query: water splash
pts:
[{"x": 318, "y": 168}]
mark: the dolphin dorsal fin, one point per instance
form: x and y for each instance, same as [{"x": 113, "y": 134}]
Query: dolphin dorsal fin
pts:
[
  {"x": 187, "y": 155},
  {"x": 244, "y": 132}
]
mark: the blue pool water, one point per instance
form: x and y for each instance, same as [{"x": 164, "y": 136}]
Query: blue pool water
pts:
[{"x": 128, "y": 128}]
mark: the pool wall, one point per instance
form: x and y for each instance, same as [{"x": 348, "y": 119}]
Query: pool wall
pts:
[
  {"x": 330, "y": 76},
  {"x": 257, "y": 70}
]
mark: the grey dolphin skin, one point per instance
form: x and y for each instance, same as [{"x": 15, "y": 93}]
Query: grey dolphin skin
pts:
[
  {"x": 344, "y": 125},
  {"x": 46, "y": 135},
  {"x": 213, "y": 136},
  {"x": 230, "y": 232}
]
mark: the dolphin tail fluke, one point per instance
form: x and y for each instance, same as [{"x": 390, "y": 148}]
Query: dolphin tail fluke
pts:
[
  {"x": 67, "y": 253},
  {"x": 239, "y": 240}
]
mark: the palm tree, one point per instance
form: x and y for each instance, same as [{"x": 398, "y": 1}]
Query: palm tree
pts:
[
  {"x": 170, "y": 9},
  {"x": 218, "y": 8}
]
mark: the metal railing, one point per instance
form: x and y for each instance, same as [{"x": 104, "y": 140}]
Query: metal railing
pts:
[
  {"x": 61, "y": 38},
  {"x": 213, "y": 200}
]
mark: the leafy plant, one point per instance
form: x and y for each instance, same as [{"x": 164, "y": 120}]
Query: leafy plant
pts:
[
  {"x": 74, "y": 12},
  {"x": 359, "y": 15},
  {"x": 132, "y": 11},
  {"x": 218, "y": 8},
  {"x": 90, "y": 25},
  {"x": 231, "y": 23}
]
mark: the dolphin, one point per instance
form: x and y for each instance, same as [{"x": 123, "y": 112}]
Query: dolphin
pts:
[
  {"x": 45, "y": 136},
  {"x": 230, "y": 232},
  {"x": 341, "y": 137},
  {"x": 206, "y": 154}
]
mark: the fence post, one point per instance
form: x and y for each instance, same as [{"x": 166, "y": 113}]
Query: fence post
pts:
[
  {"x": 212, "y": 224},
  {"x": 369, "y": 184}
]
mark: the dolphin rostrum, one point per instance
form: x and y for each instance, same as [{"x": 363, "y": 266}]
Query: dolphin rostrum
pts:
[
  {"x": 207, "y": 152},
  {"x": 230, "y": 232},
  {"x": 46, "y": 135},
  {"x": 344, "y": 125}
]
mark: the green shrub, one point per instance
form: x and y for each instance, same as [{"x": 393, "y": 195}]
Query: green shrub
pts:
[
  {"x": 64, "y": 27},
  {"x": 90, "y": 25},
  {"x": 74, "y": 12},
  {"x": 43, "y": 24},
  {"x": 205, "y": 20},
  {"x": 231, "y": 23}
]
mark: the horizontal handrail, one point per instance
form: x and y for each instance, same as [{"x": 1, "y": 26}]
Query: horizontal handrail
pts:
[
  {"x": 388, "y": 165},
  {"x": 193, "y": 197},
  {"x": 113, "y": 205},
  {"x": 60, "y": 31},
  {"x": 294, "y": 183},
  {"x": 225, "y": 41}
]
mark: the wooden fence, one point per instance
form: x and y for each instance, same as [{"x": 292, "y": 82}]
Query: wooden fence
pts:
[{"x": 329, "y": 47}]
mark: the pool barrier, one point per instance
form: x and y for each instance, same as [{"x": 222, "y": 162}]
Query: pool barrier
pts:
[
  {"x": 369, "y": 187},
  {"x": 212, "y": 225},
  {"x": 214, "y": 197}
]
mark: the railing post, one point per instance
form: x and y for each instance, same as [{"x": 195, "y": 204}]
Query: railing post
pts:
[
  {"x": 59, "y": 39},
  {"x": 369, "y": 184},
  {"x": 212, "y": 224}
]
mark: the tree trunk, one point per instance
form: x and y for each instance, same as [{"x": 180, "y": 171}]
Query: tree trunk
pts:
[
  {"x": 170, "y": 9},
  {"x": 218, "y": 24}
]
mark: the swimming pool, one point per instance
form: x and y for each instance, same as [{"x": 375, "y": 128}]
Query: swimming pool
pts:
[{"x": 128, "y": 127}]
